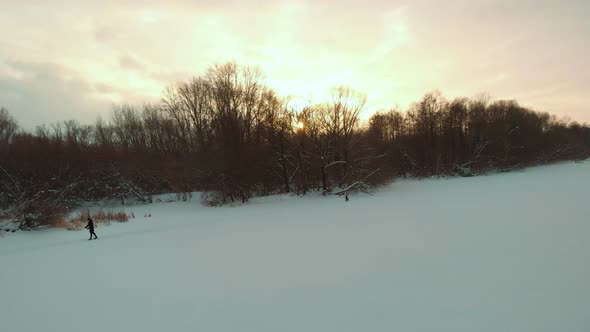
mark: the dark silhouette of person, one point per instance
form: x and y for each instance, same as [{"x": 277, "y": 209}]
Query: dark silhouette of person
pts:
[
  {"x": 346, "y": 197},
  {"x": 90, "y": 228}
]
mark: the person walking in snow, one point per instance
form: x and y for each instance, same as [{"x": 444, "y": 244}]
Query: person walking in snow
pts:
[{"x": 90, "y": 228}]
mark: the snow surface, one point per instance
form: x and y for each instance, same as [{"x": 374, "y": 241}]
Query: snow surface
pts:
[{"x": 507, "y": 252}]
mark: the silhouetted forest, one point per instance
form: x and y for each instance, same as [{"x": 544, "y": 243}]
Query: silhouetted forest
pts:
[{"x": 227, "y": 133}]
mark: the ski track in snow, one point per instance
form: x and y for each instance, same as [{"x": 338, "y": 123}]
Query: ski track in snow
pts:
[{"x": 504, "y": 252}]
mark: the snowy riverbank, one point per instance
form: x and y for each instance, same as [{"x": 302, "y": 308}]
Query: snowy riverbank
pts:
[{"x": 505, "y": 252}]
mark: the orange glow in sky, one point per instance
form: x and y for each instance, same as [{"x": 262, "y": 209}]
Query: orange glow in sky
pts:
[{"x": 68, "y": 59}]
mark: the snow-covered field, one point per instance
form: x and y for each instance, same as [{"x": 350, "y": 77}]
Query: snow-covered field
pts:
[{"x": 507, "y": 252}]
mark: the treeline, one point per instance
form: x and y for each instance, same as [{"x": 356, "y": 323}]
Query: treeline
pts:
[{"x": 227, "y": 133}]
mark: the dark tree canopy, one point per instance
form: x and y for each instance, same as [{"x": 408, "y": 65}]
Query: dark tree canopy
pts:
[{"x": 228, "y": 133}]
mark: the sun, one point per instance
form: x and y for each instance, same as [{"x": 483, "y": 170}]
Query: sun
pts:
[{"x": 300, "y": 125}]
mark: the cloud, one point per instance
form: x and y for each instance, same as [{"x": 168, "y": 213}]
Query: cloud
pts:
[
  {"x": 105, "y": 51},
  {"x": 104, "y": 88},
  {"x": 46, "y": 93},
  {"x": 168, "y": 78},
  {"x": 129, "y": 62},
  {"x": 104, "y": 35}
]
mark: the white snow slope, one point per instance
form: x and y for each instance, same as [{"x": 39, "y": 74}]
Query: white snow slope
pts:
[{"x": 507, "y": 252}]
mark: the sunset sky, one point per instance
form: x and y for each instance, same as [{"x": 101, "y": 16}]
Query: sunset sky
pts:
[{"x": 72, "y": 59}]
